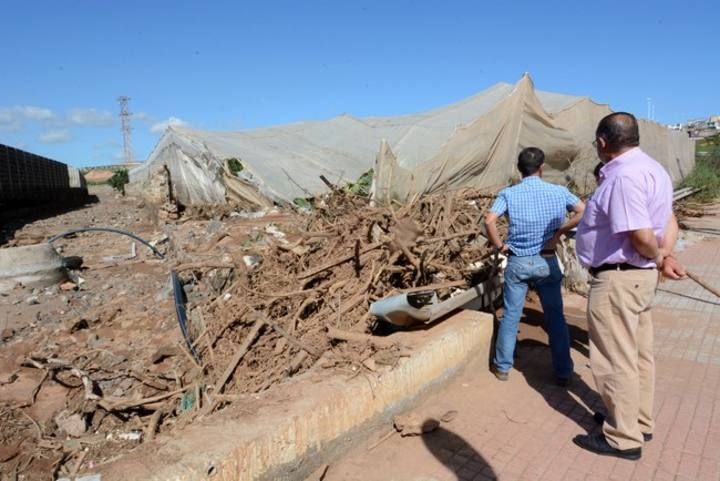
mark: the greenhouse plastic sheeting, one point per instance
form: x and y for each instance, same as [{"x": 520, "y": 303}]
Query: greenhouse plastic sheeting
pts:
[{"x": 474, "y": 142}]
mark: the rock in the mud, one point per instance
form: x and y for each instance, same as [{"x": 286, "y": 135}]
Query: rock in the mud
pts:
[
  {"x": 214, "y": 226},
  {"x": 73, "y": 424},
  {"x": 7, "y": 334},
  {"x": 76, "y": 324},
  {"x": 412, "y": 425},
  {"x": 32, "y": 300},
  {"x": 162, "y": 353},
  {"x": 449, "y": 416},
  {"x": 68, "y": 286},
  {"x": 87, "y": 477}
]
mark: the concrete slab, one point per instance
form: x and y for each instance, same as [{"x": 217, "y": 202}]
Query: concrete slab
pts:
[
  {"x": 35, "y": 266},
  {"x": 310, "y": 420}
]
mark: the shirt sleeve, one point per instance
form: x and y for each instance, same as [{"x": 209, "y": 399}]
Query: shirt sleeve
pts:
[
  {"x": 627, "y": 207},
  {"x": 571, "y": 200},
  {"x": 499, "y": 207}
]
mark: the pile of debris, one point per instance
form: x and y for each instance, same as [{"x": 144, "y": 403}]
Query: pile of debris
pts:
[{"x": 296, "y": 299}]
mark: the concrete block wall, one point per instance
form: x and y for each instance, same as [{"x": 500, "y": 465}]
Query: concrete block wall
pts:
[{"x": 27, "y": 178}]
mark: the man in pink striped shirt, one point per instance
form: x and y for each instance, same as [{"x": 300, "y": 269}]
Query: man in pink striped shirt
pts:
[{"x": 626, "y": 233}]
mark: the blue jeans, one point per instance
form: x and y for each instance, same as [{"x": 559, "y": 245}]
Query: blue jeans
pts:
[{"x": 544, "y": 274}]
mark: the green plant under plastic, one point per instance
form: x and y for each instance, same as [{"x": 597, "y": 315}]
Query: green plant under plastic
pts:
[
  {"x": 362, "y": 185},
  {"x": 235, "y": 166}
]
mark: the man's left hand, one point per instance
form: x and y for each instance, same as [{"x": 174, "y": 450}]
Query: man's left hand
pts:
[{"x": 673, "y": 269}]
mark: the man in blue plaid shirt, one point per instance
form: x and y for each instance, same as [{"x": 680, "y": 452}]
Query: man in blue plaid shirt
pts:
[{"x": 536, "y": 212}]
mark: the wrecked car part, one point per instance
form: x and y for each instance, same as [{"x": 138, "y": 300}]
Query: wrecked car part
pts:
[
  {"x": 422, "y": 307},
  {"x": 107, "y": 229},
  {"x": 181, "y": 311},
  {"x": 401, "y": 310}
]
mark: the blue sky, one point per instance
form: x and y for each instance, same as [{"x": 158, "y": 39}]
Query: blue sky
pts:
[{"x": 229, "y": 65}]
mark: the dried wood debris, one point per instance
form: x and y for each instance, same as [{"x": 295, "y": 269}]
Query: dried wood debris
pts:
[{"x": 316, "y": 276}]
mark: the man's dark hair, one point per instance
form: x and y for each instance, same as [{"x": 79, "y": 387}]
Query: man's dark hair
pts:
[
  {"x": 530, "y": 160},
  {"x": 620, "y": 130}
]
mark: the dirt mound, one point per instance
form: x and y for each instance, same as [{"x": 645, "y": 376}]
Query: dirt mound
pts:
[{"x": 98, "y": 176}]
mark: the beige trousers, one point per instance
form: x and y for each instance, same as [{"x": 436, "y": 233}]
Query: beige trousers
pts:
[{"x": 621, "y": 352}]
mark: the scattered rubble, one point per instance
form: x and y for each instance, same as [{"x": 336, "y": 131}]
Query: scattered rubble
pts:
[{"x": 98, "y": 365}]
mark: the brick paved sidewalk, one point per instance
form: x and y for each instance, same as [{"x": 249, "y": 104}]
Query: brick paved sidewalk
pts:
[{"x": 522, "y": 429}]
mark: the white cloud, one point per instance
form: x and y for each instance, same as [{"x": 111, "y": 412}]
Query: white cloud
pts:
[
  {"x": 90, "y": 117},
  {"x": 161, "y": 126},
  {"x": 61, "y": 136},
  {"x": 143, "y": 116},
  {"x": 9, "y": 122},
  {"x": 13, "y": 118},
  {"x": 30, "y": 112},
  {"x": 35, "y": 113}
]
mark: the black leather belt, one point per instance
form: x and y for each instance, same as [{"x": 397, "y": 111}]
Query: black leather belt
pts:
[{"x": 615, "y": 267}]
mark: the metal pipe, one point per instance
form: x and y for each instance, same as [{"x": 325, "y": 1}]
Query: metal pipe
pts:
[{"x": 107, "y": 229}]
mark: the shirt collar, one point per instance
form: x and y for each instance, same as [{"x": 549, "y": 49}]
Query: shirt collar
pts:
[
  {"x": 530, "y": 177},
  {"x": 617, "y": 162}
]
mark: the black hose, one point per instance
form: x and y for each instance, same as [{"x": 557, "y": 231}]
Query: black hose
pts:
[
  {"x": 106, "y": 229},
  {"x": 181, "y": 312}
]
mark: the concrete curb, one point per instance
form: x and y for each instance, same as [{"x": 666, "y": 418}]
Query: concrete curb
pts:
[{"x": 287, "y": 440}]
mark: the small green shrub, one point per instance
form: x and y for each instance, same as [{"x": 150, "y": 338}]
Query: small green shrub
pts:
[
  {"x": 119, "y": 180},
  {"x": 706, "y": 174}
]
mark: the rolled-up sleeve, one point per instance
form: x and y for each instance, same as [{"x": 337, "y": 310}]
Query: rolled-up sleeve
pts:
[
  {"x": 627, "y": 209},
  {"x": 571, "y": 200},
  {"x": 499, "y": 207}
]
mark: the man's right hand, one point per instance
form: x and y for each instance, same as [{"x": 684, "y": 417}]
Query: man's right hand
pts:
[{"x": 552, "y": 243}]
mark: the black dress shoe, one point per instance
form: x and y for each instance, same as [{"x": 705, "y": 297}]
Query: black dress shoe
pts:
[
  {"x": 596, "y": 443},
  {"x": 600, "y": 419}
]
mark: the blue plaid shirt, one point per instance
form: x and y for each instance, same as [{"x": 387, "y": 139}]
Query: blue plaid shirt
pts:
[{"x": 536, "y": 210}]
